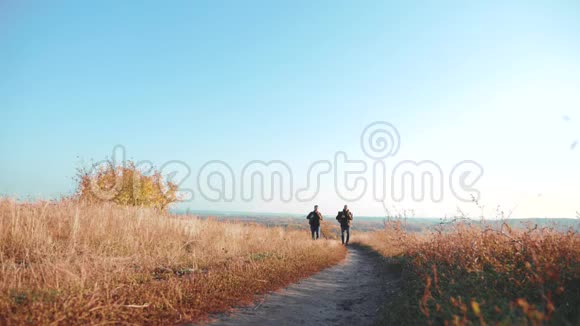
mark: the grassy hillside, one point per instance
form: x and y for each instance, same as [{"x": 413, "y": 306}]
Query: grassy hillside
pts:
[
  {"x": 100, "y": 263},
  {"x": 474, "y": 274}
]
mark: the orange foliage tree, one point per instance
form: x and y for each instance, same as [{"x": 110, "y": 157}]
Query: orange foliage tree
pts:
[{"x": 125, "y": 185}]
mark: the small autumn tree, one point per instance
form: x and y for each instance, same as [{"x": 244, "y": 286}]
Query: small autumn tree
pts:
[{"x": 125, "y": 185}]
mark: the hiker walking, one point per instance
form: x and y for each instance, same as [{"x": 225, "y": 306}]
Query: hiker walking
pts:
[
  {"x": 314, "y": 218},
  {"x": 344, "y": 217}
]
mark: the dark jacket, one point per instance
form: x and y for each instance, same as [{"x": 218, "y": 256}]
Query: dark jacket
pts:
[
  {"x": 314, "y": 218},
  {"x": 345, "y": 218}
]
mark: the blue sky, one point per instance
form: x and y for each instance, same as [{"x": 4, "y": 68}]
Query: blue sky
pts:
[{"x": 295, "y": 81}]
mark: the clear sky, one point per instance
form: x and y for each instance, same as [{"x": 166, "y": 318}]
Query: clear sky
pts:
[{"x": 496, "y": 82}]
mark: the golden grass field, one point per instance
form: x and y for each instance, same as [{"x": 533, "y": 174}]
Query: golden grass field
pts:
[
  {"x": 462, "y": 274},
  {"x": 72, "y": 263}
]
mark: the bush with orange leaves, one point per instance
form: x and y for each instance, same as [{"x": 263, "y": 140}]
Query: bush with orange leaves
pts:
[
  {"x": 125, "y": 185},
  {"x": 461, "y": 274}
]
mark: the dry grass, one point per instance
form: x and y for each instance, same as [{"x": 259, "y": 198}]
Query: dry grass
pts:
[
  {"x": 465, "y": 274},
  {"x": 69, "y": 263}
]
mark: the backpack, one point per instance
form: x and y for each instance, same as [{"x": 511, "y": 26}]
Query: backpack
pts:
[{"x": 314, "y": 218}]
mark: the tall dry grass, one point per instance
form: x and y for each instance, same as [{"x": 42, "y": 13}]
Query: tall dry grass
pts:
[
  {"x": 463, "y": 274},
  {"x": 71, "y": 263}
]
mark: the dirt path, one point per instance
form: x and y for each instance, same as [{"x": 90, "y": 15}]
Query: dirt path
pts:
[{"x": 350, "y": 293}]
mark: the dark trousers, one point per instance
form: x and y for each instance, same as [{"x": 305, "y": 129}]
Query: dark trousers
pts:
[
  {"x": 343, "y": 230},
  {"x": 315, "y": 230}
]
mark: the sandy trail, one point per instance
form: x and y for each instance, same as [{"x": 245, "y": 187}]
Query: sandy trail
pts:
[{"x": 350, "y": 293}]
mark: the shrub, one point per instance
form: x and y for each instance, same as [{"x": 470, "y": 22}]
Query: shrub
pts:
[{"x": 125, "y": 185}]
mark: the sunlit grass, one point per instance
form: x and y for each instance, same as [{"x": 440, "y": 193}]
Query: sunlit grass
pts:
[
  {"x": 463, "y": 274},
  {"x": 100, "y": 263}
]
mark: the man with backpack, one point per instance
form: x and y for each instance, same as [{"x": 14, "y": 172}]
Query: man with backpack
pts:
[
  {"x": 344, "y": 217},
  {"x": 314, "y": 218}
]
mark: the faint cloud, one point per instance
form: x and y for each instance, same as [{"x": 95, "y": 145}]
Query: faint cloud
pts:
[{"x": 575, "y": 143}]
